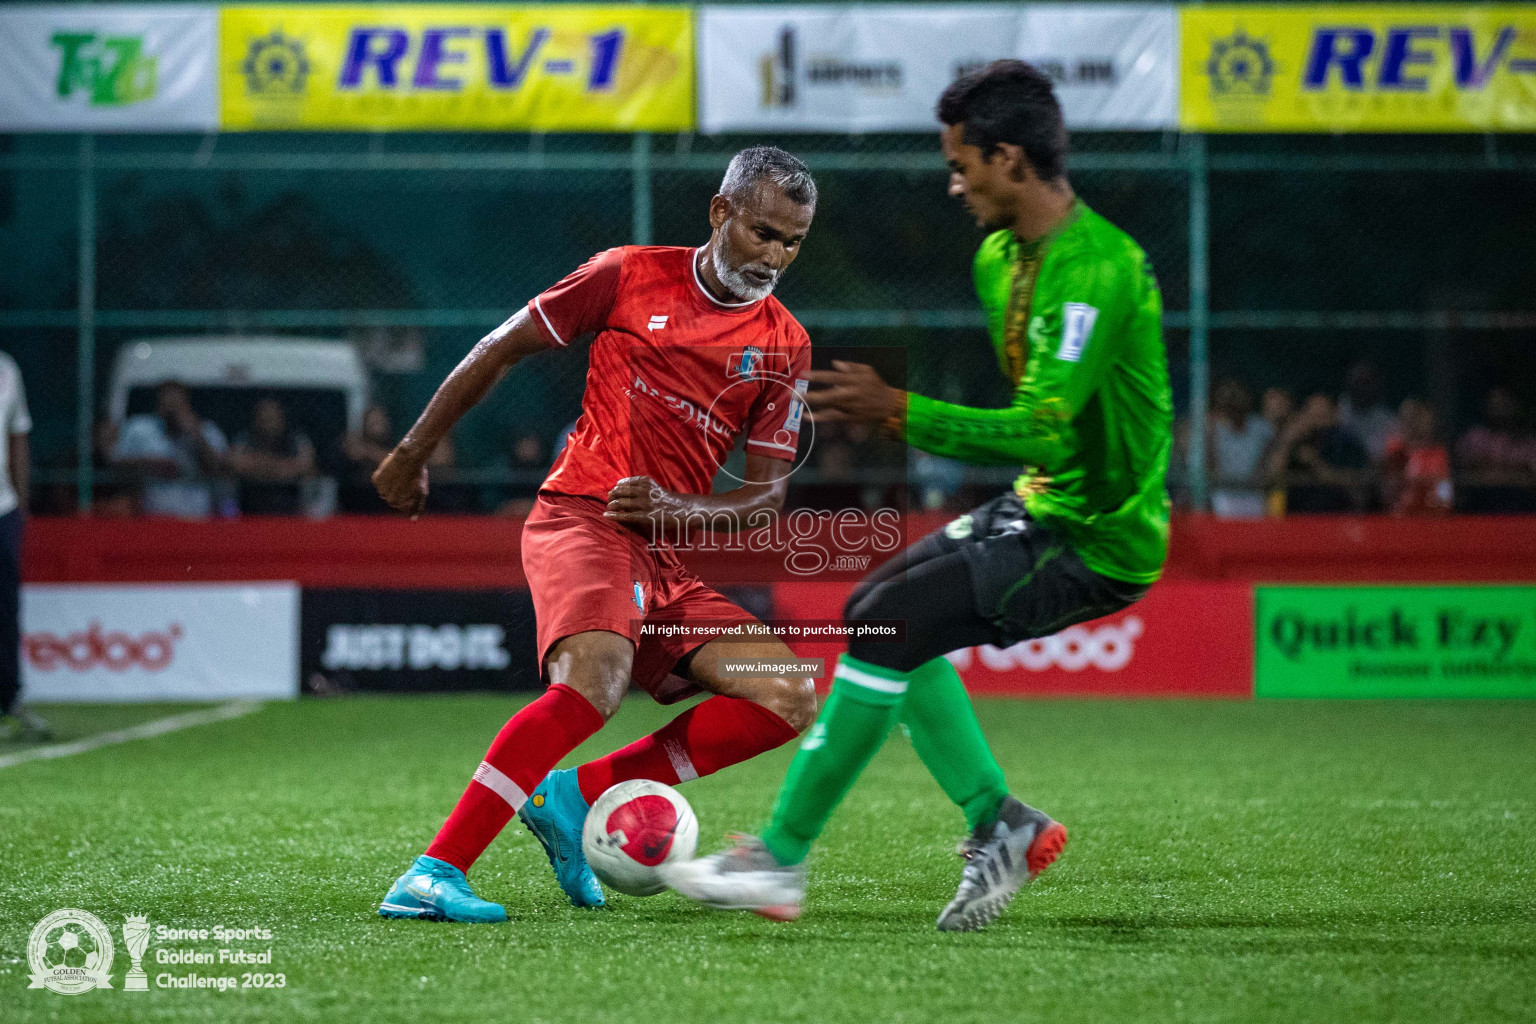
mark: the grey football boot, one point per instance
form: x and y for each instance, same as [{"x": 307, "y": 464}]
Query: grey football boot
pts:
[{"x": 1001, "y": 858}]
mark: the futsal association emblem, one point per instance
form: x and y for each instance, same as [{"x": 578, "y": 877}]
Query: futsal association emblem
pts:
[{"x": 70, "y": 952}]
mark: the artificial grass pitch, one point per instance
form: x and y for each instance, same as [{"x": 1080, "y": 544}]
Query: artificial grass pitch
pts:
[{"x": 1246, "y": 862}]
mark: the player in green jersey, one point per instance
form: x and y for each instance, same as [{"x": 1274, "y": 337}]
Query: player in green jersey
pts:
[{"x": 1075, "y": 315}]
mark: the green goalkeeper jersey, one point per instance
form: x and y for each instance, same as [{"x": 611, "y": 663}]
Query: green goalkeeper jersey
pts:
[{"x": 1076, "y": 319}]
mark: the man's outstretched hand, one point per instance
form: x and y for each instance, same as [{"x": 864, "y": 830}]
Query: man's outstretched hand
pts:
[
  {"x": 852, "y": 392},
  {"x": 401, "y": 481}
]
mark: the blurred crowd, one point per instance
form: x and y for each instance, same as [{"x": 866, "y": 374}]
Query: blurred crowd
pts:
[
  {"x": 1353, "y": 452},
  {"x": 178, "y": 463},
  {"x": 1268, "y": 454}
]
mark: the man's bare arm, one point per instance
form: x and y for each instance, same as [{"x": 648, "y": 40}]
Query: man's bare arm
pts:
[{"x": 401, "y": 478}]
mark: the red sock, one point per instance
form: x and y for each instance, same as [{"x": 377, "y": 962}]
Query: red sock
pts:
[
  {"x": 716, "y": 734},
  {"x": 528, "y": 746}
]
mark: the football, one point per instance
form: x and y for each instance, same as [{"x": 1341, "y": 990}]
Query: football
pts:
[{"x": 633, "y": 829}]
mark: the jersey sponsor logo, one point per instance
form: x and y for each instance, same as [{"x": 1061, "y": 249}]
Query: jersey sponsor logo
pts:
[
  {"x": 640, "y": 597},
  {"x": 92, "y": 648},
  {"x": 657, "y": 323},
  {"x": 418, "y": 647},
  {"x": 689, "y": 411},
  {"x": 1108, "y": 647},
  {"x": 1077, "y": 319}
]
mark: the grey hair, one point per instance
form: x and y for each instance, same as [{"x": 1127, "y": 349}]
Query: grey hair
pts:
[{"x": 769, "y": 163}]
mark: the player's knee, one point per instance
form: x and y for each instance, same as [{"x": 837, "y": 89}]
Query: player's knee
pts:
[
  {"x": 599, "y": 671},
  {"x": 794, "y": 700},
  {"x": 602, "y": 690}
]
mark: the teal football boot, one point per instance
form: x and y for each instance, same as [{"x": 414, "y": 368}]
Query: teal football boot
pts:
[
  {"x": 435, "y": 890},
  {"x": 555, "y": 814}
]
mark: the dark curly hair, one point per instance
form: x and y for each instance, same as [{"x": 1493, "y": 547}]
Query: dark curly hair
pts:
[{"x": 1009, "y": 101}]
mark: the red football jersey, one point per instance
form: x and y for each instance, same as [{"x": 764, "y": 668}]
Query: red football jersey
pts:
[{"x": 675, "y": 376}]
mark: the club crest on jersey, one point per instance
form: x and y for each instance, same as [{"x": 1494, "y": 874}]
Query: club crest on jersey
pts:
[
  {"x": 640, "y": 598},
  {"x": 750, "y": 362}
]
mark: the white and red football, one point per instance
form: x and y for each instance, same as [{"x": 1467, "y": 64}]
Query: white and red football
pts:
[{"x": 633, "y": 829}]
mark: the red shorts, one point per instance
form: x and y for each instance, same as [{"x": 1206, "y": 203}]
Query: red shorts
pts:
[{"x": 587, "y": 572}]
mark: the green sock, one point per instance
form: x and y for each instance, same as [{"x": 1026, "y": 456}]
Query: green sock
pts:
[
  {"x": 939, "y": 715},
  {"x": 861, "y": 710}
]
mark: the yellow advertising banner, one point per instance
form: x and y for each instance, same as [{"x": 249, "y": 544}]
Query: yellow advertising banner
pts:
[
  {"x": 1366, "y": 67},
  {"x": 452, "y": 67}
]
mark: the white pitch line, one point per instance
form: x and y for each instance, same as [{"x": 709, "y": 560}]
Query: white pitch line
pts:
[{"x": 159, "y": 727}]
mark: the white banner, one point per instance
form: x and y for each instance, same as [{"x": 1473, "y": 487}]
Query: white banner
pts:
[
  {"x": 108, "y": 68},
  {"x": 159, "y": 642},
  {"x": 882, "y": 68}
]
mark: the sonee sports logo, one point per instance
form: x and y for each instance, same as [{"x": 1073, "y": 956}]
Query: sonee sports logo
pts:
[
  {"x": 116, "y": 651},
  {"x": 1108, "y": 648}
]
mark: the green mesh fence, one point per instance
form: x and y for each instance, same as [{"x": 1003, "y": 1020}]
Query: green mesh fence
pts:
[{"x": 1283, "y": 260}]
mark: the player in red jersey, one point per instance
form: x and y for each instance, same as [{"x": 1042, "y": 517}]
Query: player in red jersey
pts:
[{"x": 691, "y": 353}]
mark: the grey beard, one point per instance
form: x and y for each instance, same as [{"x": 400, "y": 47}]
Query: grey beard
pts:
[{"x": 735, "y": 282}]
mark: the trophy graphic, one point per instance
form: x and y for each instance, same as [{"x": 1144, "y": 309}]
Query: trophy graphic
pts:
[{"x": 136, "y": 938}]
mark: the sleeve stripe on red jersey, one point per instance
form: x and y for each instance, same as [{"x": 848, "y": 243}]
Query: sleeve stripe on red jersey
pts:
[
  {"x": 770, "y": 444},
  {"x": 552, "y": 332}
]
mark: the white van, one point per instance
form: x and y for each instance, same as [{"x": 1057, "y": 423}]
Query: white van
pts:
[{"x": 320, "y": 382}]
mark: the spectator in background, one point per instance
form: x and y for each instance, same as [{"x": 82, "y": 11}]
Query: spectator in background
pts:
[
  {"x": 527, "y": 460},
  {"x": 1364, "y": 413},
  {"x": 938, "y": 480},
  {"x": 561, "y": 439},
  {"x": 1498, "y": 458},
  {"x": 367, "y": 446},
  {"x": 1277, "y": 407},
  {"x": 15, "y": 476},
  {"x": 361, "y": 452},
  {"x": 1319, "y": 463},
  {"x": 450, "y": 496},
  {"x": 177, "y": 452},
  {"x": 271, "y": 459},
  {"x": 1235, "y": 449},
  {"x": 110, "y": 499},
  {"x": 1417, "y": 471}
]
